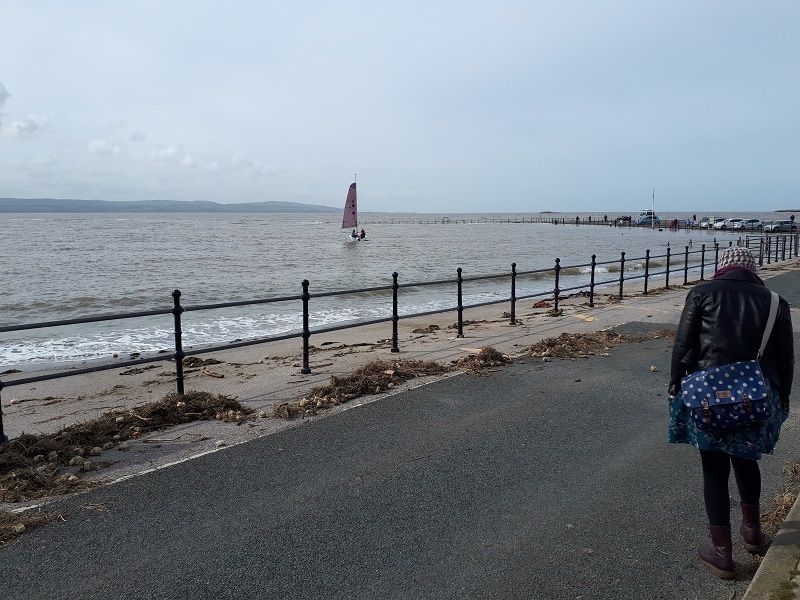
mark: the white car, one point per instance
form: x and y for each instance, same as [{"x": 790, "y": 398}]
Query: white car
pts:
[
  {"x": 748, "y": 224},
  {"x": 726, "y": 224}
]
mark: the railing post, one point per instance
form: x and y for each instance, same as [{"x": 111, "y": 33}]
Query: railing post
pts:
[
  {"x": 686, "y": 267},
  {"x": 513, "y": 293},
  {"x": 716, "y": 255},
  {"x": 621, "y": 273},
  {"x": 646, "y": 270},
  {"x": 591, "y": 281},
  {"x": 3, "y": 436},
  {"x": 460, "y": 306},
  {"x": 702, "y": 262},
  {"x": 177, "y": 310},
  {"x": 666, "y": 283},
  {"x": 306, "y": 368},
  {"x": 395, "y": 316},
  {"x": 556, "y": 290}
]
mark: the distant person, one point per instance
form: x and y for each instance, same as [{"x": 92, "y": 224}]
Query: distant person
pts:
[
  {"x": 723, "y": 321},
  {"x": 577, "y": 220},
  {"x": 363, "y": 234},
  {"x": 590, "y": 218},
  {"x": 354, "y": 234},
  {"x": 791, "y": 218},
  {"x": 694, "y": 217}
]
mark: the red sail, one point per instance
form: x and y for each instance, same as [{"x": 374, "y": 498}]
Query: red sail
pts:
[{"x": 350, "y": 219}]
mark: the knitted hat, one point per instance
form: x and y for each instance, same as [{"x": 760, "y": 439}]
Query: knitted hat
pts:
[{"x": 736, "y": 256}]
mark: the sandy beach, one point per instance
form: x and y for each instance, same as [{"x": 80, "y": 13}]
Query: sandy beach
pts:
[{"x": 263, "y": 376}]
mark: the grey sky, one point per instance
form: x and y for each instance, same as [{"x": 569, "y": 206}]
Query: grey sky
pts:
[{"x": 439, "y": 106}]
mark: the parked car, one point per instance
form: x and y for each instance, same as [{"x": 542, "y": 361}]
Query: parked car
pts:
[
  {"x": 708, "y": 222},
  {"x": 648, "y": 220},
  {"x": 783, "y": 225},
  {"x": 647, "y": 217},
  {"x": 748, "y": 224},
  {"x": 725, "y": 223}
]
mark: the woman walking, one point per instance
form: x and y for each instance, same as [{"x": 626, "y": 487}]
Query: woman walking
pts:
[{"x": 723, "y": 322}]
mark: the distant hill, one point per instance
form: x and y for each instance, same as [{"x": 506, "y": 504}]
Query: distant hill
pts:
[{"x": 55, "y": 205}]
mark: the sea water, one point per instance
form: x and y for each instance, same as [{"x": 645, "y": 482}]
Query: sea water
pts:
[{"x": 66, "y": 266}]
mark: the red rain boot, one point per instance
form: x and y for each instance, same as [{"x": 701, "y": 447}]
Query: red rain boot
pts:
[
  {"x": 718, "y": 557},
  {"x": 751, "y": 529}
]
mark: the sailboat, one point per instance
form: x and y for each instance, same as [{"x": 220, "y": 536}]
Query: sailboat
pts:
[{"x": 350, "y": 218}]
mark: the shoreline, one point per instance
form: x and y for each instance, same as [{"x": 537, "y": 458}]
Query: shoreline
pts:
[
  {"x": 265, "y": 375},
  {"x": 608, "y": 287},
  {"x": 135, "y": 293}
]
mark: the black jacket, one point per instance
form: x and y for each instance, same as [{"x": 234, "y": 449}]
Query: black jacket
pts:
[{"x": 723, "y": 322}]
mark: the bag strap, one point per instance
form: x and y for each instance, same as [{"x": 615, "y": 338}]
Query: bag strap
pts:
[{"x": 773, "y": 311}]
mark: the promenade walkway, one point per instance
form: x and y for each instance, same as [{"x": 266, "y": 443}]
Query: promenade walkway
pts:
[{"x": 538, "y": 480}]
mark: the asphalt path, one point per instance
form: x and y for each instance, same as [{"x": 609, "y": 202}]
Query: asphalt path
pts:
[{"x": 539, "y": 480}]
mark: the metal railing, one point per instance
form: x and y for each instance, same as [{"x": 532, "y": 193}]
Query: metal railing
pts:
[
  {"x": 768, "y": 249},
  {"x": 669, "y": 222}
]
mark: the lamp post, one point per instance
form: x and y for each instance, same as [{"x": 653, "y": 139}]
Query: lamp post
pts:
[{"x": 653, "y": 218}]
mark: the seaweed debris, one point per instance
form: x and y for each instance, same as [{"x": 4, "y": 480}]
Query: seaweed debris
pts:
[
  {"x": 579, "y": 345},
  {"x": 37, "y": 466},
  {"x": 782, "y": 503},
  {"x": 373, "y": 378},
  {"x": 487, "y": 357},
  {"x": 13, "y": 525}
]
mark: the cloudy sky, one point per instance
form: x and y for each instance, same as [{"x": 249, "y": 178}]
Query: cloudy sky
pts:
[{"x": 438, "y": 106}]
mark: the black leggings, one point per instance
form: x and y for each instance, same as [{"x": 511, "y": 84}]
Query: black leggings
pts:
[{"x": 716, "y": 472}]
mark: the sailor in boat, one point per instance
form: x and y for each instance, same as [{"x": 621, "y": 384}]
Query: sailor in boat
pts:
[
  {"x": 363, "y": 234},
  {"x": 354, "y": 234}
]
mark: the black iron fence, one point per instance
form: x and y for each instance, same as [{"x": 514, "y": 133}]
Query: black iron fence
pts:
[{"x": 768, "y": 249}]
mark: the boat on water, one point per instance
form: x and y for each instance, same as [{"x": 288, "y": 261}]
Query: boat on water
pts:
[{"x": 350, "y": 217}]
